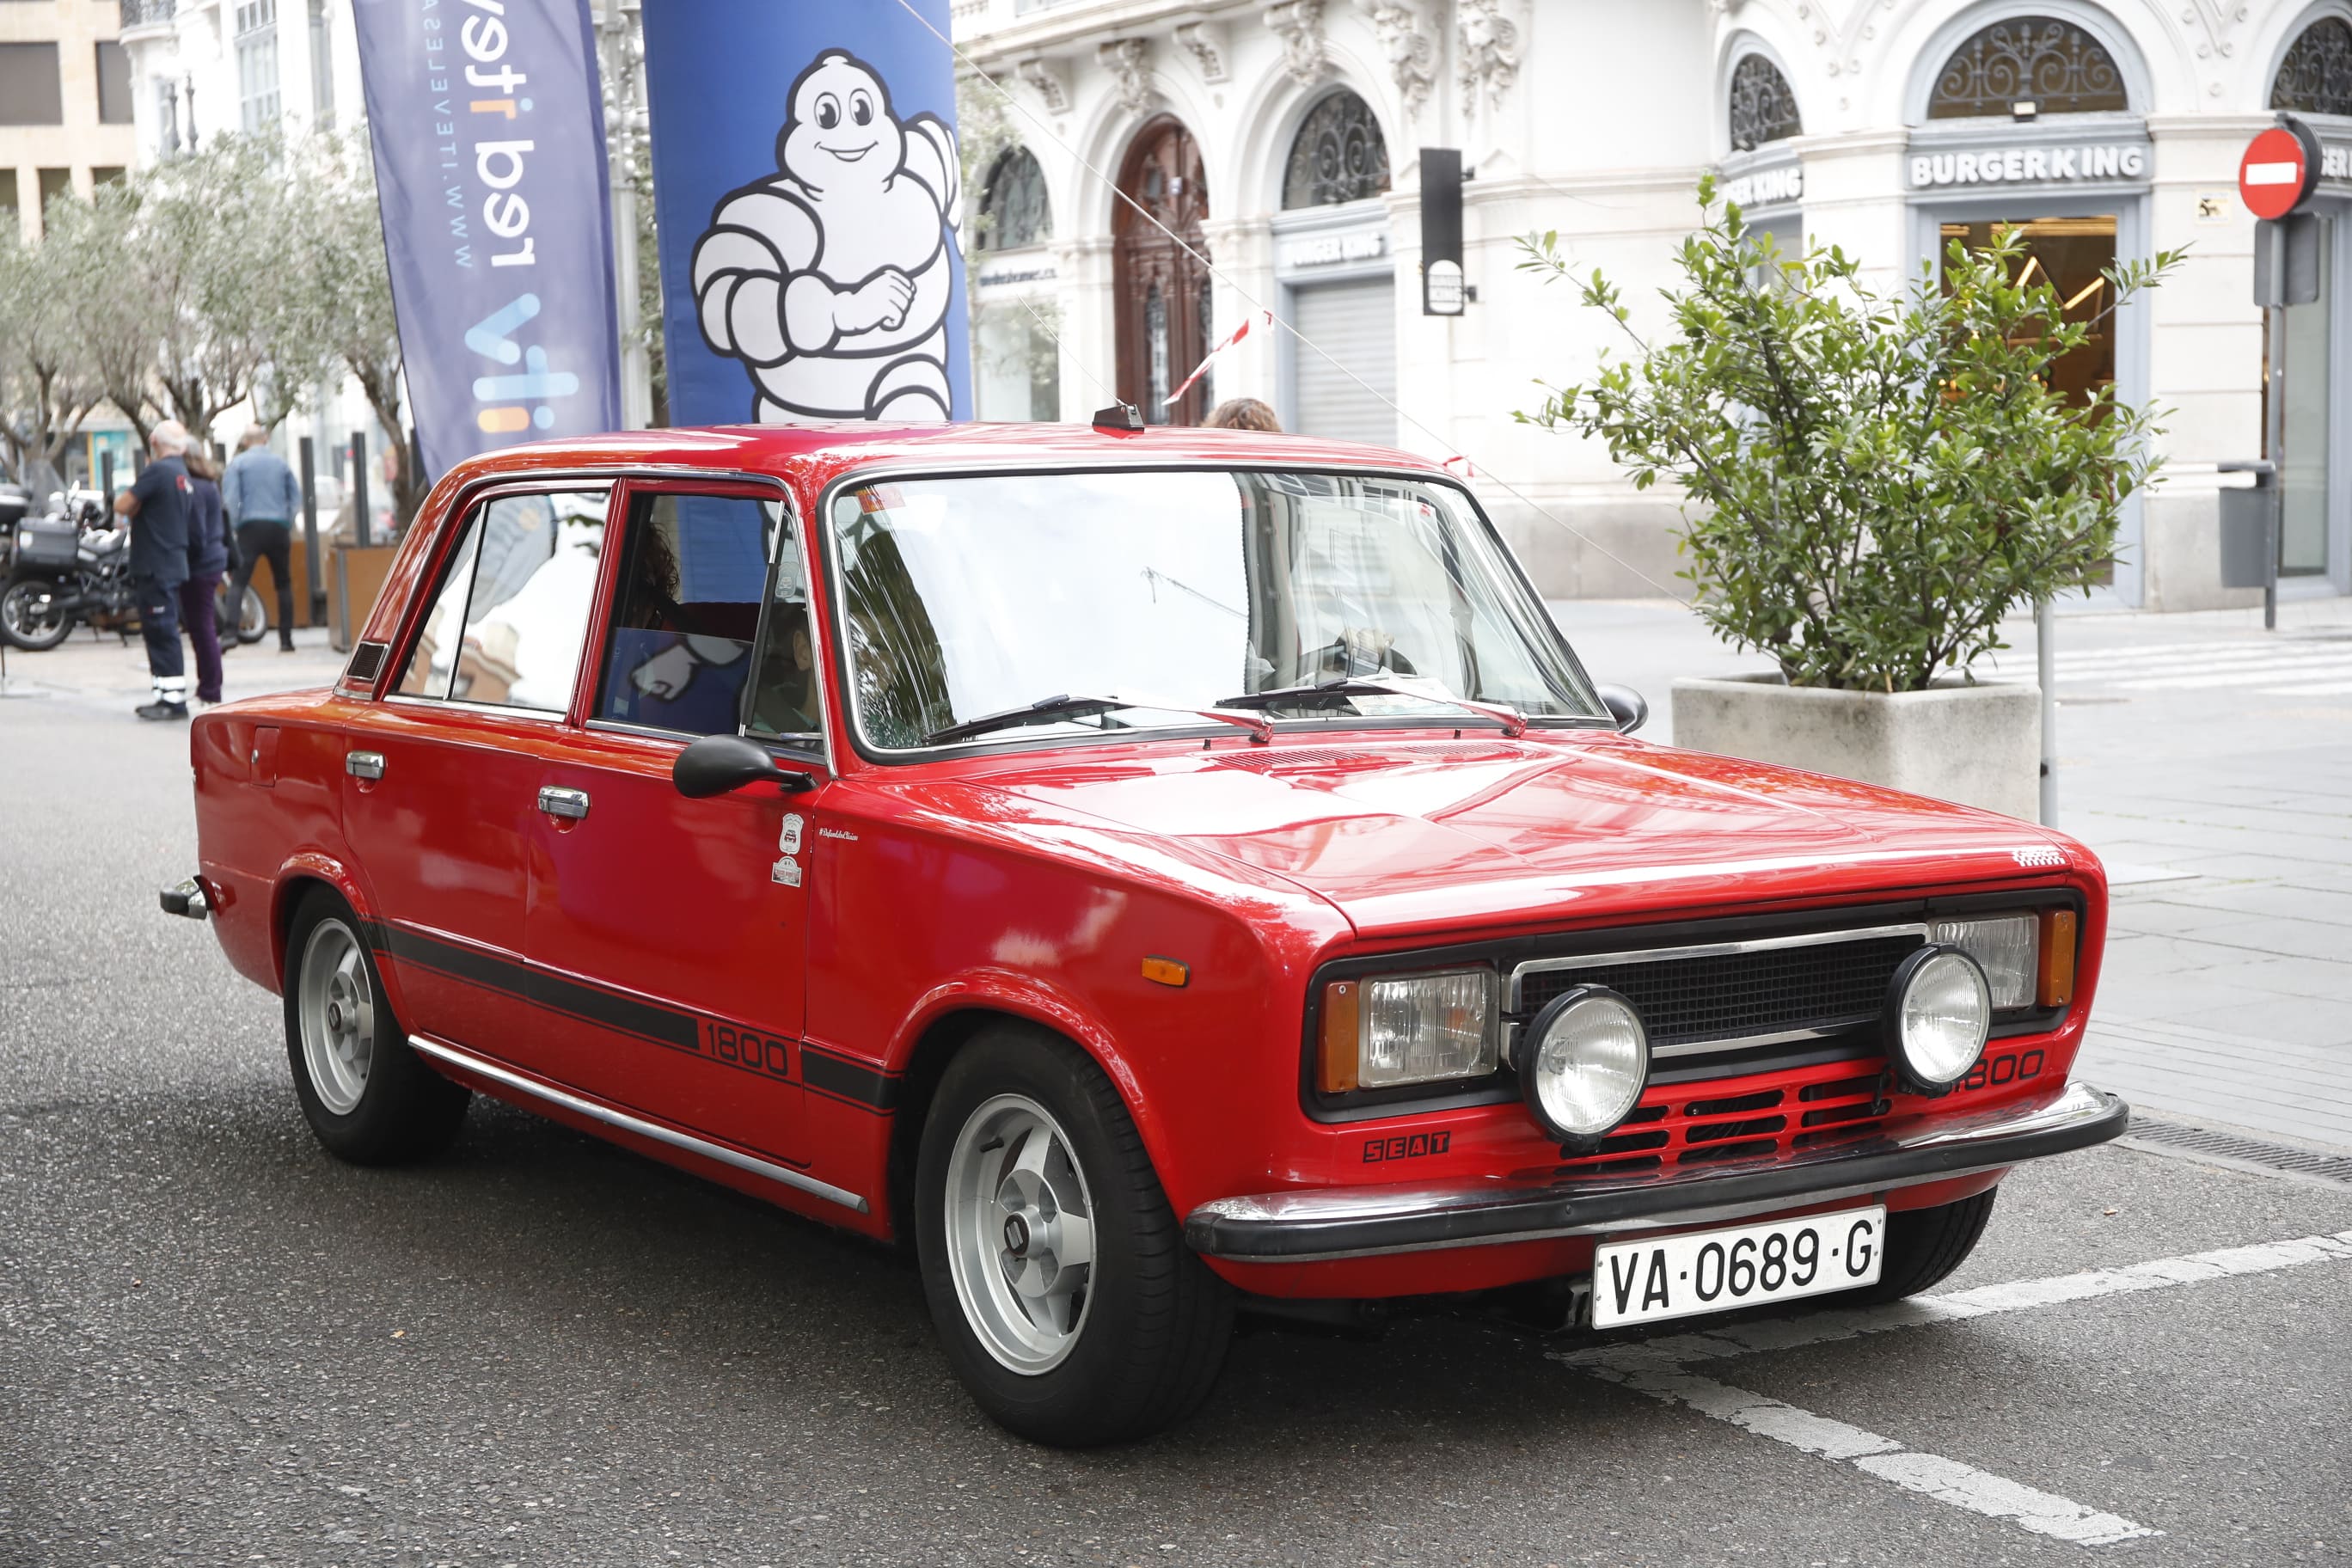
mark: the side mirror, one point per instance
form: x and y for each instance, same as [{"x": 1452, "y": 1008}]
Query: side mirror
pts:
[
  {"x": 1626, "y": 706},
  {"x": 717, "y": 763}
]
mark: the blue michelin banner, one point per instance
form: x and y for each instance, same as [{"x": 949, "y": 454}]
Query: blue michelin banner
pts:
[
  {"x": 808, "y": 196},
  {"x": 489, "y": 128}
]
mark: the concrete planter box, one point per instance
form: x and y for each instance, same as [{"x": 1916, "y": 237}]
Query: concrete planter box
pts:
[{"x": 1979, "y": 745}]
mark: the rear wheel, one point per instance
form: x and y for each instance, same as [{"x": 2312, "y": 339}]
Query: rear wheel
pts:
[
  {"x": 249, "y": 621},
  {"x": 368, "y": 1098},
  {"x": 1063, "y": 1293},
  {"x": 1923, "y": 1245},
  {"x": 28, "y": 616}
]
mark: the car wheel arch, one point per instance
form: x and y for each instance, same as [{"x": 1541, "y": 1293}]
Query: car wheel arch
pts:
[
  {"x": 301, "y": 873},
  {"x": 932, "y": 1040}
]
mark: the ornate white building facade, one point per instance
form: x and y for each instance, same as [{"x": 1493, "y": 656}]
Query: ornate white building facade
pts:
[{"x": 1284, "y": 136}]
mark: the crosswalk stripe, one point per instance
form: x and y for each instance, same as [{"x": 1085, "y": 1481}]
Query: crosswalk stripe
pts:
[
  {"x": 2156, "y": 666},
  {"x": 2321, "y": 688},
  {"x": 2215, "y": 682}
]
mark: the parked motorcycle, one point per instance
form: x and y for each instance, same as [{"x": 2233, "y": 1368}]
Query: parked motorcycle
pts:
[{"x": 72, "y": 568}]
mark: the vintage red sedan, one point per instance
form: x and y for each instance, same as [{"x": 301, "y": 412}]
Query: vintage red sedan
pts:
[{"x": 1150, "y": 871}]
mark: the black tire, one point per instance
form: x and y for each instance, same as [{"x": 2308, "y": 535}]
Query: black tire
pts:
[
  {"x": 1156, "y": 1322},
  {"x": 22, "y": 625},
  {"x": 1923, "y": 1245},
  {"x": 404, "y": 1110},
  {"x": 249, "y": 625}
]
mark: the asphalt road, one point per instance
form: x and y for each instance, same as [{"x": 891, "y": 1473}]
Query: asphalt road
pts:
[{"x": 219, "y": 1346}]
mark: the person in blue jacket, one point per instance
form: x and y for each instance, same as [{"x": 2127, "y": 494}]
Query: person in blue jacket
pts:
[{"x": 263, "y": 499}]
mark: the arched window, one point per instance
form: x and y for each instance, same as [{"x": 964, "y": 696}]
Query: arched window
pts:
[
  {"x": 2051, "y": 64},
  {"x": 2316, "y": 77},
  {"x": 1012, "y": 208},
  {"x": 1338, "y": 156},
  {"x": 1762, "y": 108}
]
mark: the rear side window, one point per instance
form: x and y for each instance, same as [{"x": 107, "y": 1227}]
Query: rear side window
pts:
[
  {"x": 507, "y": 627},
  {"x": 686, "y": 611}
]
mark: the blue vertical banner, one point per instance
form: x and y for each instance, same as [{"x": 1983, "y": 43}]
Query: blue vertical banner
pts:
[
  {"x": 809, "y": 200},
  {"x": 488, "y": 122}
]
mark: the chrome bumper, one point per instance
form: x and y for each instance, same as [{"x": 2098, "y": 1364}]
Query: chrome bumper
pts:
[{"x": 1318, "y": 1224}]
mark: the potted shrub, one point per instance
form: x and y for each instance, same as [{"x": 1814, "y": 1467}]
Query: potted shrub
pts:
[{"x": 1873, "y": 480}]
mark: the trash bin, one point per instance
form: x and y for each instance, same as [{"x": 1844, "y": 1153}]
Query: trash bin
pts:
[{"x": 2250, "y": 527}]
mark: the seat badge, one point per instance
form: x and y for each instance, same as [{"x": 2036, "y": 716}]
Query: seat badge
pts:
[
  {"x": 786, "y": 870},
  {"x": 789, "y": 841}
]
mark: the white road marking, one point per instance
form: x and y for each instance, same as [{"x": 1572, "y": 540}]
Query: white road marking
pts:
[
  {"x": 1931, "y": 1475},
  {"x": 1659, "y": 1368}
]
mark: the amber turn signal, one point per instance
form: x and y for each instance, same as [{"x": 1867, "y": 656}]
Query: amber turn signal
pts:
[
  {"x": 2055, "y": 984},
  {"x": 1335, "y": 1057},
  {"x": 1167, "y": 971}
]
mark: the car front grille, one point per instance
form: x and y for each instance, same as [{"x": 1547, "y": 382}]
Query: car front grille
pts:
[
  {"x": 1694, "y": 999},
  {"x": 1762, "y": 1116}
]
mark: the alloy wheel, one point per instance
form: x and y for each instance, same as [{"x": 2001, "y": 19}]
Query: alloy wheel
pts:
[
  {"x": 337, "y": 1008},
  {"x": 1019, "y": 1232}
]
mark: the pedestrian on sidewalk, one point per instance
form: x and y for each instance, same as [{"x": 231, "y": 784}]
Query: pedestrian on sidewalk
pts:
[
  {"x": 157, "y": 507},
  {"x": 263, "y": 502},
  {"x": 211, "y": 556}
]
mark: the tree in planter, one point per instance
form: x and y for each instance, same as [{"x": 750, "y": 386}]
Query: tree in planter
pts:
[{"x": 1875, "y": 479}]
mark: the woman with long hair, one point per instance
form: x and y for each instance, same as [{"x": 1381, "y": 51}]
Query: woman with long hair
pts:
[{"x": 211, "y": 556}]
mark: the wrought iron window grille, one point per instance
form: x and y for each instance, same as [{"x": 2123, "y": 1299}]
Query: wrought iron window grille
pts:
[
  {"x": 2051, "y": 64},
  {"x": 1338, "y": 156},
  {"x": 1013, "y": 208},
  {"x": 1763, "y": 107},
  {"x": 2315, "y": 76}
]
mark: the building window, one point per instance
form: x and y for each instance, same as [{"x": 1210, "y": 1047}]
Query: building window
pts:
[
  {"x": 1338, "y": 156},
  {"x": 31, "y": 92},
  {"x": 257, "y": 63},
  {"x": 107, "y": 174},
  {"x": 1013, "y": 209},
  {"x": 1762, "y": 108},
  {"x": 167, "y": 118},
  {"x": 323, "y": 66},
  {"x": 2052, "y": 65},
  {"x": 113, "y": 83},
  {"x": 56, "y": 186},
  {"x": 2316, "y": 77}
]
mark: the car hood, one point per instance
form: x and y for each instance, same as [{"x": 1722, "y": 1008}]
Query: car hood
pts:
[{"x": 1405, "y": 835}]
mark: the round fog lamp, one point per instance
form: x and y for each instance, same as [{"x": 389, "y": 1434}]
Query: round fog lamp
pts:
[
  {"x": 1583, "y": 1063},
  {"x": 1939, "y": 1011}
]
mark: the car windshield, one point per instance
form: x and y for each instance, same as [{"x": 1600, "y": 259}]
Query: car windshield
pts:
[{"x": 968, "y": 596}]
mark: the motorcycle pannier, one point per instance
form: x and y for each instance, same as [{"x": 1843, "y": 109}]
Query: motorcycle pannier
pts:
[{"x": 48, "y": 542}]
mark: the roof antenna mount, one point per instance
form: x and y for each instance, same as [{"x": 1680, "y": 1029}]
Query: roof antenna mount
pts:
[{"x": 1119, "y": 417}]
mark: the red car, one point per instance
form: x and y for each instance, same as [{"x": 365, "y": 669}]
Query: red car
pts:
[{"x": 1153, "y": 872}]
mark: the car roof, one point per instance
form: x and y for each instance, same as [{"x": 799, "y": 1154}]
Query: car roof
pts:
[{"x": 820, "y": 452}]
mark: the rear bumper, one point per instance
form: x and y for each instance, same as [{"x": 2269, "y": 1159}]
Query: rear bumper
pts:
[{"x": 1313, "y": 1225}]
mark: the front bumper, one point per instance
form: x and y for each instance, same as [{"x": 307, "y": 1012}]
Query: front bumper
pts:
[{"x": 1318, "y": 1224}]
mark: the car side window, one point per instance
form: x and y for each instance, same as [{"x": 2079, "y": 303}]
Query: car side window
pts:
[
  {"x": 506, "y": 628},
  {"x": 686, "y": 611},
  {"x": 787, "y": 703}
]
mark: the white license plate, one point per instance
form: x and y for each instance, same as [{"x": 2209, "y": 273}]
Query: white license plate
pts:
[{"x": 1742, "y": 1266}]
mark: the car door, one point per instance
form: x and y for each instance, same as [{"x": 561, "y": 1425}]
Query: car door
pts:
[
  {"x": 440, "y": 783},
  {"x": 675, "y": 930}
]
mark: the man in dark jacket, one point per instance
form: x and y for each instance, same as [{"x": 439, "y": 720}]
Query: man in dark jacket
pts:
[
  {"x": 263, "y": 502},
  {"x": 158, "y": 507}
]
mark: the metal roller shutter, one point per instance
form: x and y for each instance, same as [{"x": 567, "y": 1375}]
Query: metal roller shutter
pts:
[{"x": 1355, "y": 323}]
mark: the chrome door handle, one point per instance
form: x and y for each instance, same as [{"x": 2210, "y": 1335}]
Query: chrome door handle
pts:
[
  {"x": 570, "y": 802},
  {"x": 363, "y": 764}
]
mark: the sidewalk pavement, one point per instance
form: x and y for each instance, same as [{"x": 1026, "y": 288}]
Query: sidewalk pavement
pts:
[{"x": 2209, "y": 765}]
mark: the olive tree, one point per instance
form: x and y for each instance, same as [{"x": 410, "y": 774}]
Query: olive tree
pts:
[
  {"x": 48, "y": 379},
  {"x": 1874, "y": 479}
]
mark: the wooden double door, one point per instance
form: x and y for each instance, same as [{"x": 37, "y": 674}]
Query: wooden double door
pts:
[{"x": 1163, "y": 293}]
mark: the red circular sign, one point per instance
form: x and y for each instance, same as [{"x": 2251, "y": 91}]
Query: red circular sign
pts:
[{"x": 2276, "y": 173}]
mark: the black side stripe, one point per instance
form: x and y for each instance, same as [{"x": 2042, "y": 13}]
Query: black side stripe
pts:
[
  {"x": 845, "y": 1078},
  {"x": 822, "y": 1072}
]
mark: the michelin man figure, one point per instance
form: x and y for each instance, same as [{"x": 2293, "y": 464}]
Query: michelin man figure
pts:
[{"x": 831, "y": 281}]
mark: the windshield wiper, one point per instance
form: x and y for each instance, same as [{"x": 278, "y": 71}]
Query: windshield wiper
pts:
[
  {"x": 1340, "y": 687},
  {"x": 1045, "y": 710}
]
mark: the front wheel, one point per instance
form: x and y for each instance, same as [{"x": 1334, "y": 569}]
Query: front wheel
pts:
[
  {"x": 29, "y": 617},
  {"x": 1923, "y": 1245},
  {"x": 1056, "y": 1273},
  {"x": 368, "y": 1098}
]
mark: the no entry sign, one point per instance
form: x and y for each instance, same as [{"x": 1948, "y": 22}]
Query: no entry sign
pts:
[{"x": 2279, "y": 169}]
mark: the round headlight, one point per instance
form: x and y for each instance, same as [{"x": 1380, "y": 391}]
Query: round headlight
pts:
[
  {"x": 1583, "y": 1063},
  {"x": 1939, "y": 1010}
]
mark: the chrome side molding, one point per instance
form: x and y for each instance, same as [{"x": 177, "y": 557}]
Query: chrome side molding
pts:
[{"x": 784, "y": 1175}]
